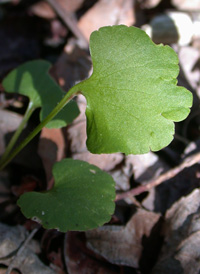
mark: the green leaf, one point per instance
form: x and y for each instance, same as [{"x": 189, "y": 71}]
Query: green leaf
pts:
[
  {"x": 132, "y": 97},
  {"x": 81, "y": 199},
  {"x": 33, "y": 80}
]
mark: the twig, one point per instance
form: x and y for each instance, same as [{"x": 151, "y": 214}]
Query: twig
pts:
[
  {"x": 188, "y": 162},
  {"x": 19, "y": 251},
  {"x": 69, "y": 20}
]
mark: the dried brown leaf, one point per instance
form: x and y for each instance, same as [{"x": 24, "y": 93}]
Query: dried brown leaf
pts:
[
  {"x": 28, "y": 262},
  {"x": 107, "y": 12},
  {"x": 123, "y": 245},
  {"x": 189, "y": 57},
  {"x": 43, "y": 9},
  {"x": 69, "y": 5},
  {"x": 9, "y": 121},
  {"x": 181, "y": 252},
  {"x": 73, "y": 65},
  {"x": 80, "y": 260},
  {"x": 51, "y": 148}
]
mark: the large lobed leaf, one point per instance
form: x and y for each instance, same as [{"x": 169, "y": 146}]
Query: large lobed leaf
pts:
[
  {"x": 81, "y": 199},
  {"x": 132, "y": 96},
  {"x": 33, "y": 80}
]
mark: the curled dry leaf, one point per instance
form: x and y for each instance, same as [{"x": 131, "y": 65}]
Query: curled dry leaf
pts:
[
  {"x": 189, "y": 58},
  {"x": 107, "y": 12},
  {"x": 72, "y": 65},
  {"x": 28, "y": 262},
  {"x": 70, "y": 6},
  {"x": 122, "y": 180},
  {"x": 123, "y": 245},
  {"x": 44, "y": 10},
  {"x": 79, "y": 259},
  {"x": 145, "y": 166},
  {"x": 51, "y": 148},
  {"x": 181, "y": 253},
  {"x": 9, "y": 123}
]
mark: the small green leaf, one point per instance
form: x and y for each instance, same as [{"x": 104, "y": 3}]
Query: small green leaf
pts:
[
  {"x": 81, "y": 199},
  {"x": 33, "y": 80},
  {"x": 132, "y": 97}
]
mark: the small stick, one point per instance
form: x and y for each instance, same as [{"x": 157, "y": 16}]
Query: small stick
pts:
[
  {"x": 188, "y": 162},
  {"x": 69, "y": 20},
  {"x": 19, "y": 251}
]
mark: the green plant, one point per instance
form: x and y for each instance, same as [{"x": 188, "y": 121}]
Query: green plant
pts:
[{"x": 132, "y": 104}]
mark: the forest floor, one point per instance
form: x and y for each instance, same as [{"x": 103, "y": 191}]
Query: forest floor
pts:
[{"x": 156, "y": 224}]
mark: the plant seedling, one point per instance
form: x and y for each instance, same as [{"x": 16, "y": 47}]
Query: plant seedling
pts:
[{"x": 132, "y": 103}]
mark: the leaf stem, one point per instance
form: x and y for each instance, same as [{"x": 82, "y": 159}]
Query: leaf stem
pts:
[
  {"x": 21, "y": 249},
  {"x": 71, "y": 93},
  {"x": 17, "y": 133}
]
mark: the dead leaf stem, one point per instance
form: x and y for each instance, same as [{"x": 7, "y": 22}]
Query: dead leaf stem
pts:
[
  {"x": 21, "y": 248},
  {"x": 69, "y": 20},
  {"x": 188, "y": 162}
]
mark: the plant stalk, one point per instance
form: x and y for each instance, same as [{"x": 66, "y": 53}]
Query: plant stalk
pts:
[
  {"x": 17, "y": 133},
  {"x": 71, "y": 93}
]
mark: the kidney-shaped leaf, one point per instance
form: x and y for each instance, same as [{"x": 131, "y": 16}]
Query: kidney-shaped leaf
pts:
[
  {"x": 33, "y": 80},
  {"x": 132, "y": 97},
  {"x": 81, "y": 199}
]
